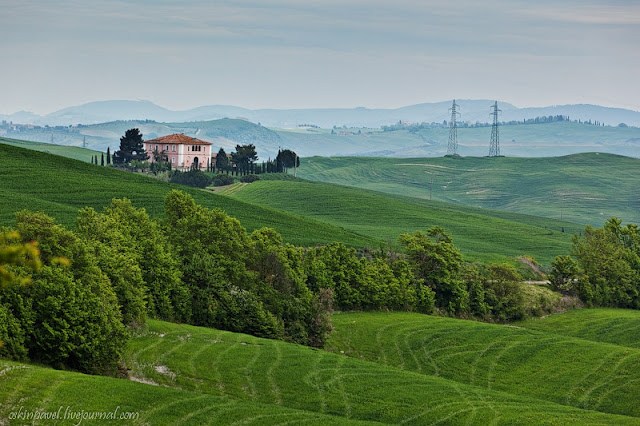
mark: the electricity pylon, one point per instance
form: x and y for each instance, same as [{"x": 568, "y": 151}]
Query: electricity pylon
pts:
[
  {"x": 494, "y": 145},
  {"x": 452, "y": 146}
]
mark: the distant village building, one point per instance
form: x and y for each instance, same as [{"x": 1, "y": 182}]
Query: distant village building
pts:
[{"x": 183, "y": 152}]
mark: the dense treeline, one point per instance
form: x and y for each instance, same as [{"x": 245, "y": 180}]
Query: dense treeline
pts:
[
  {"x": 603, "y": 268},
  {"x": 73, "y": 301}
]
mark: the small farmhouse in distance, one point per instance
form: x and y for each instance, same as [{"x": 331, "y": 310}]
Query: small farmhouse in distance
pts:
[{"x": 183, "y": 152}]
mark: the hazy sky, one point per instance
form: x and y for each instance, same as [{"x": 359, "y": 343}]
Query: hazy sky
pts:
[{"x": 329, "y": 53}]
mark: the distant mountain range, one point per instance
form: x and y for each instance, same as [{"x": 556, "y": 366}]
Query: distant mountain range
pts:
[{"x": 471, "y": 111}]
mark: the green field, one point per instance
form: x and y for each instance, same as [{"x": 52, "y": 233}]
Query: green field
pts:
[
  {"x": 306, "y": 213},
  {"x": 28, "y": 388},
  {"x": 481, "y": 234},
  {"x": 566, "y": 370},
  {"x": 272, "y": 372},
  {"x": 74, "y": 152},
  {"x": 60, "y": 186},
  {"x": 620, "y": 327},
  {"x": 385, "y": 367},
  {"x": 581, "y": 188}
]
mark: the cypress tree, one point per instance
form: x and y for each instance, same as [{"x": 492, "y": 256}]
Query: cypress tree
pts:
[
  {"x": 102, "y": 159},
  {"x": 108, "y": 155}
]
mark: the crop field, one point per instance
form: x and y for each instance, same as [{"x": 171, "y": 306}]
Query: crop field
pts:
[
  {"x": 581, "y": 188},
  {"x": 617, "y": 326},
  {"x": 238, "y": 366},
  {"x": 26, "y": 388},
  {"x": 60, "y": 186},
  {"x": 74, "y": 152},
  {"x": 481, "y": 234},
  {"x": 565, "y": 370}
]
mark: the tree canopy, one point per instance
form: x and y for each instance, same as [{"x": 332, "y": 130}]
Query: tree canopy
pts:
[{"x": 131, "y": 148}]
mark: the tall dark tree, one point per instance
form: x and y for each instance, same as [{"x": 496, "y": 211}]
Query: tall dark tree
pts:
[
  {"x": 222, "y": 161},
  {"x": 108, "y": 155},
  {"x": 131, "y": 148},
  {"x": 244, "y": 157},
  {"x": 288, "y": 158},
  {"x": 102, "y": 159}
]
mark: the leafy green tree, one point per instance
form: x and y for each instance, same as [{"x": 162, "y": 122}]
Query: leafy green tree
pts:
[
  {"x": 15, "y": 258},
  {"x": 131, "y": 148},
  {"x": 69, "y": 313},
  {"x": 504, "y": 294},
  {"x": 438, "y": 263},
  {"x": 564, "y": 275},
  {"x": 281, "y": 282},
  {"x": 609, "y": 262},
  {"x": 13, "y": 252},
  {"x": 131, "y": 233},
  {"x": 337, "y": 267},
  {"x": 213, "y": 249}
]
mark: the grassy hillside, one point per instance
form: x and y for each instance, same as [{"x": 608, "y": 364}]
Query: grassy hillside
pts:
[
  {"x": 481, "y": 234},
  {"x": 60, "y": 186},
  {"x": 617, "y": 326},
  {"x": 583, "y": 188},
  {"x": 272, "y": 372},
  {"x": 74, "y": 152},
  {"x": 565, "y": 370},
  {"x": 28, "y": 388}
]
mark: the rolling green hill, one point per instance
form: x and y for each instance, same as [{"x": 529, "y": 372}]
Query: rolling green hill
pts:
[
  {"x": 481, "y": 234},
  {"x": 192, "y": 375},
  {"x": 74, "y": 152},
  {"x": 26, "y": 388},
  {"x": 60, "y": 186},
  {"x": 565, "y": 370},
  {"x": 272, "y": 372},
  {"x": 617, "y": 326},
  {"x": 306, "y": 213},
  {"x": 582, "y": 188}
]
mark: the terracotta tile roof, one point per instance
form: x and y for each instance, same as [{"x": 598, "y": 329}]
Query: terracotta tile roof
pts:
[{"x": 179, "y": 139}]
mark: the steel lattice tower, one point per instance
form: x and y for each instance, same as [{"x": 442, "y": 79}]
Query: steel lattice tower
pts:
[
  {"x": 494, "y": 145},
  {"x": 452, "y": 147}
]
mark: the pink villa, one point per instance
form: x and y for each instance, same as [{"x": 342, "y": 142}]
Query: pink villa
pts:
[{"x": 183, "y": 152}]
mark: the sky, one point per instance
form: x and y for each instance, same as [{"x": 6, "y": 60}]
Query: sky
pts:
[{"x": 318, "y": 54}]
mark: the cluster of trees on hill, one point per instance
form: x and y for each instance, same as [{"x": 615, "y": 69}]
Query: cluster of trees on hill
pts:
[
  {"x": 73, "y": 301},
  {"x": 603, "y": 268},
  {"x": 241, "y": 162}
]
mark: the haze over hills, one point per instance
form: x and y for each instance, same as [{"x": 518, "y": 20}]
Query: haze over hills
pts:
[
  {"x": 471, "y": 111},
  {"x": 522, "y": 140}
]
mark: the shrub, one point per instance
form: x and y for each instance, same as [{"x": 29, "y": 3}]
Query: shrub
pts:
[
  {"x": 193, "y": 177},
  {"x": 249, "y": 178},
  {"x": 223, "y": 180}
]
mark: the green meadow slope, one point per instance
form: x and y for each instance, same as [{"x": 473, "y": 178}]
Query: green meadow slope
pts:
[
  {"x": 481, "y": 234},
  {"x": 617, "y": 326},
  {"x": 580, "y": 188},
  {"x": 272, "y": 372},
  {"x": 306, "y": 213},
  {"x": 60, "y": 186},
  {"x": 29, "y": 390},
  {"x": 74, "y": 152},
  {"x": 552, "y": 367}
]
